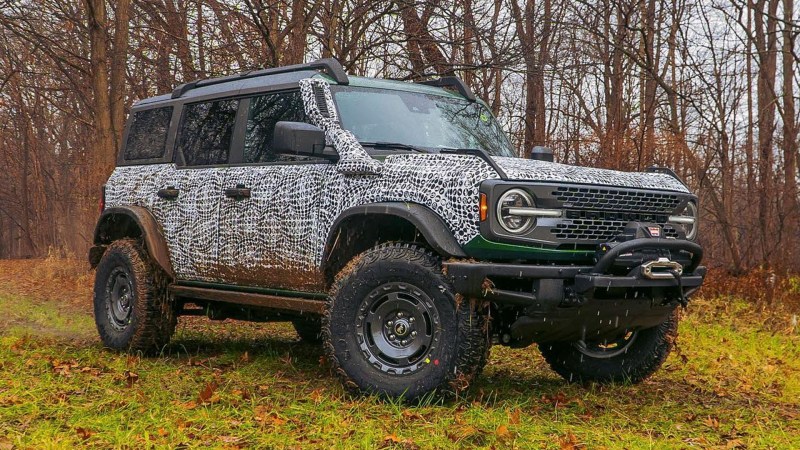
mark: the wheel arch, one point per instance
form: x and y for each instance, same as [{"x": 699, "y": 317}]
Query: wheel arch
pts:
[
  {"x": 131, "y": 222},
  {"x": 361, "y": 227}
]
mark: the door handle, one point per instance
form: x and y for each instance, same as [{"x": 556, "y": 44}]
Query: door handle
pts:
[
  {"x": 238, "y": 193},
  {"x": 169, "y": 193}
]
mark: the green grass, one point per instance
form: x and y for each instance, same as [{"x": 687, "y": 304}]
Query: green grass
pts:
[{"x": 237, "y": 385}]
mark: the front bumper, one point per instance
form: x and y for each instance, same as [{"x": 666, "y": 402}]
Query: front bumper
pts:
[{"x": 565, "y": 302}]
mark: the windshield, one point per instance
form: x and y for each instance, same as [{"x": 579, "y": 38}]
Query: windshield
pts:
[{"x": 424, "y": 121}]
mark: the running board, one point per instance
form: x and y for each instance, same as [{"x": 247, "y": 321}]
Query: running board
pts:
[{"x": 250, "y": 298}]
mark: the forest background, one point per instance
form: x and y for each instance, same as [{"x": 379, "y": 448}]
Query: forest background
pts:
[{"x": 706, "y": 87}]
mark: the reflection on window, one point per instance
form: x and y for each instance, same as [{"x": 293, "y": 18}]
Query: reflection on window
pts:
[
  {"x": 426, "y": 121},
  {"x": 148, "y": 134},
  {"x": 205, "y": 137},
  {"x": 265, "y": 112}
]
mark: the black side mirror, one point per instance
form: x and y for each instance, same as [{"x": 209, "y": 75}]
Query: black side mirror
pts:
[
  {"x": 542, "y": 153},
  {"x": 298, "y": 138}
]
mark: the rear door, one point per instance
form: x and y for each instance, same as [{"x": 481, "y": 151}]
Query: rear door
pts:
[{"x": 203, "y": 145}]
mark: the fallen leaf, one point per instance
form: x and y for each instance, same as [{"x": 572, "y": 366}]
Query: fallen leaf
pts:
[
  {"x": 513, "y": 416},
  {"x": 83, "y": 433},
  {"x": 207, "y": 394},
  {"x": 502, "y": 432},
  {"x": 391, "y": 438},
  {"x": 130, "y": 378},
  {"x": 411, "y": 415},
  {"x": 570, "y": 442},
  {"x": 711, "y": 422}
]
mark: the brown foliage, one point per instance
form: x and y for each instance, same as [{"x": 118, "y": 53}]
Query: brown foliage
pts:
[{"x": 707, "y": 90}]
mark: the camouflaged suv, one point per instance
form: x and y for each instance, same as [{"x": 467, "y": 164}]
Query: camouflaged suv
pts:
[{"x": 393, "y": 222}]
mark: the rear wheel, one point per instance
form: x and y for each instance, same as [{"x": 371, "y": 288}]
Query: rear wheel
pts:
[
  {"x": 393, "y": 326},
  {"x": 132, "y": 309},
  {"x": 629, "y": 358}
]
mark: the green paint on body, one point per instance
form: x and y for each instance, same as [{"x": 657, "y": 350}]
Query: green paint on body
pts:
[
  {"x": 255, "y": 290},
  {"x": 480, "y": 248}
]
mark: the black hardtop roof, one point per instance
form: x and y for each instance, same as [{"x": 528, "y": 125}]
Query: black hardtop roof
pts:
[{"x": 255, "y": 80}]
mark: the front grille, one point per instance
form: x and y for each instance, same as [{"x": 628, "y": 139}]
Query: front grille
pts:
[
  {"x": 573, "y": 197},
  {"x": 600, "y": 214},
  {"x": 598, "y": 230}
]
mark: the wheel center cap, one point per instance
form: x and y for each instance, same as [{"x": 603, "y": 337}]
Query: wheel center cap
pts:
[{"x": 401, "y": 327}]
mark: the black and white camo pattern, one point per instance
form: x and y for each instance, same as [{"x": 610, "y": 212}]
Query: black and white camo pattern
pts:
[
  {"x": 283, "y": 227},
  {"x": 286, "y": 221},
  {"x": 529, "y": 169},
  {"x": 353, "y": 159}
]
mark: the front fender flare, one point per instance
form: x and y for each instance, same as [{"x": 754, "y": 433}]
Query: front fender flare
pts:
[{"x": 429, "y": 224}]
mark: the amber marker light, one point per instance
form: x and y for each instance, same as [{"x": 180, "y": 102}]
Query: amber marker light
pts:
[{"x": 484, "y": 207}]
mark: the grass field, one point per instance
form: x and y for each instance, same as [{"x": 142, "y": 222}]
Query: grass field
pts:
[{"x": 733, "y": 382}]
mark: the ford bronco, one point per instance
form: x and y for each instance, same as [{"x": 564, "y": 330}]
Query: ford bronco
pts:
[{"x": 392, "y": 221}]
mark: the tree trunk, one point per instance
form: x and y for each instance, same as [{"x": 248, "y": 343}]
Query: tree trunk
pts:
[
  {"x": 766, "y": 45},
  {"x": 790, "y": 206},
  {"x": 103, "y": 140},
  {"x": 119, "y": 65}
]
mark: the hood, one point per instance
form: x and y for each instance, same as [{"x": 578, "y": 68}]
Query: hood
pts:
[{"x": 534, "y": 170}]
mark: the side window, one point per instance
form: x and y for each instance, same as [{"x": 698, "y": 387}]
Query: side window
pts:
[
  {"x": 206, "y": 132},
  {"x": 147, "y": 136},
  {"x": 265, "y": 112}
]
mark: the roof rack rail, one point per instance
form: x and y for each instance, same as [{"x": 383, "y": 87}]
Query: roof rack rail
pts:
[
  {"x": 330, "y": 66},
  {"x": 453, "y": 82}
]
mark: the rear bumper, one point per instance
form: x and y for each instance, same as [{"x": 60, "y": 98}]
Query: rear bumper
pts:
[{"x": 567, "y": 303}]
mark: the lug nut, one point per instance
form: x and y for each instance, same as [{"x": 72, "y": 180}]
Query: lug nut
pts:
[
  {"x": 400, "y": 314},
  {"x": 413, "y": 334},
  {"x": 392, "y": 337},
  {"x": 390, "y": 323},
  {"x": 404, "y": 342},
  {"x": 411, "y": 320}
]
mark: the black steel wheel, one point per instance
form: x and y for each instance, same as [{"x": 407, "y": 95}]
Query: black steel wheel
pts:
[
  {"x": 132, "y": 309},
  {"x": 119, "y": 298},
  {"x": 629, "y": 358},
  {"x": 393, "y": 326},
  {"x": 398, "y": 326}
]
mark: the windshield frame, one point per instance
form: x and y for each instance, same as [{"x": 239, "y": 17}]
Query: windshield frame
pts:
[{"x": 502, "y": 148}]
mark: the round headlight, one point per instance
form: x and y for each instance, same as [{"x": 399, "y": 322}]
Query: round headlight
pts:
[
  {"x": 513, "y": 223},
  {"x": 687, "y": 220}
]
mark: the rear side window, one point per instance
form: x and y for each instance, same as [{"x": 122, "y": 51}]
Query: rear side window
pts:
[
  {"x": 147, "y": 136},
  {"x": 265, "y": 112},
  {"x": 206, "y": 132}
]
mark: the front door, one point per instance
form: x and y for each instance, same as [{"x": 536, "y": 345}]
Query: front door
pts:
[{"x": 268, "y": 228}]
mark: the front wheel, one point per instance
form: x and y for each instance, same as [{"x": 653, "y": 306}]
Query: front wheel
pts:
[
  {"x": 394, "y": 327},
  {"x": 630, "y": 358}
]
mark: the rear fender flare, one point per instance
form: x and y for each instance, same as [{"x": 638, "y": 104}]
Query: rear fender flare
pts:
[{"x": 115, "y": 223}]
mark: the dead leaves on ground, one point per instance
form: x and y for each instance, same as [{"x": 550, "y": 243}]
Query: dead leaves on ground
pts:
[{"x": 570, "y": 442}]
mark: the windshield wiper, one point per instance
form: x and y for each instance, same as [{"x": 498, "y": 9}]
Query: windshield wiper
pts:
[{"x": 391, "y": 146}]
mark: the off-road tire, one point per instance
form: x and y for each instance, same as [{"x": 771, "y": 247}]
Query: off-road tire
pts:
[
  {"x": 309, "y": 329},
  {"x": 151, "y": 316},
  {"x": 642, "y": 357},
  {"x": 458, "y": 344}
]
